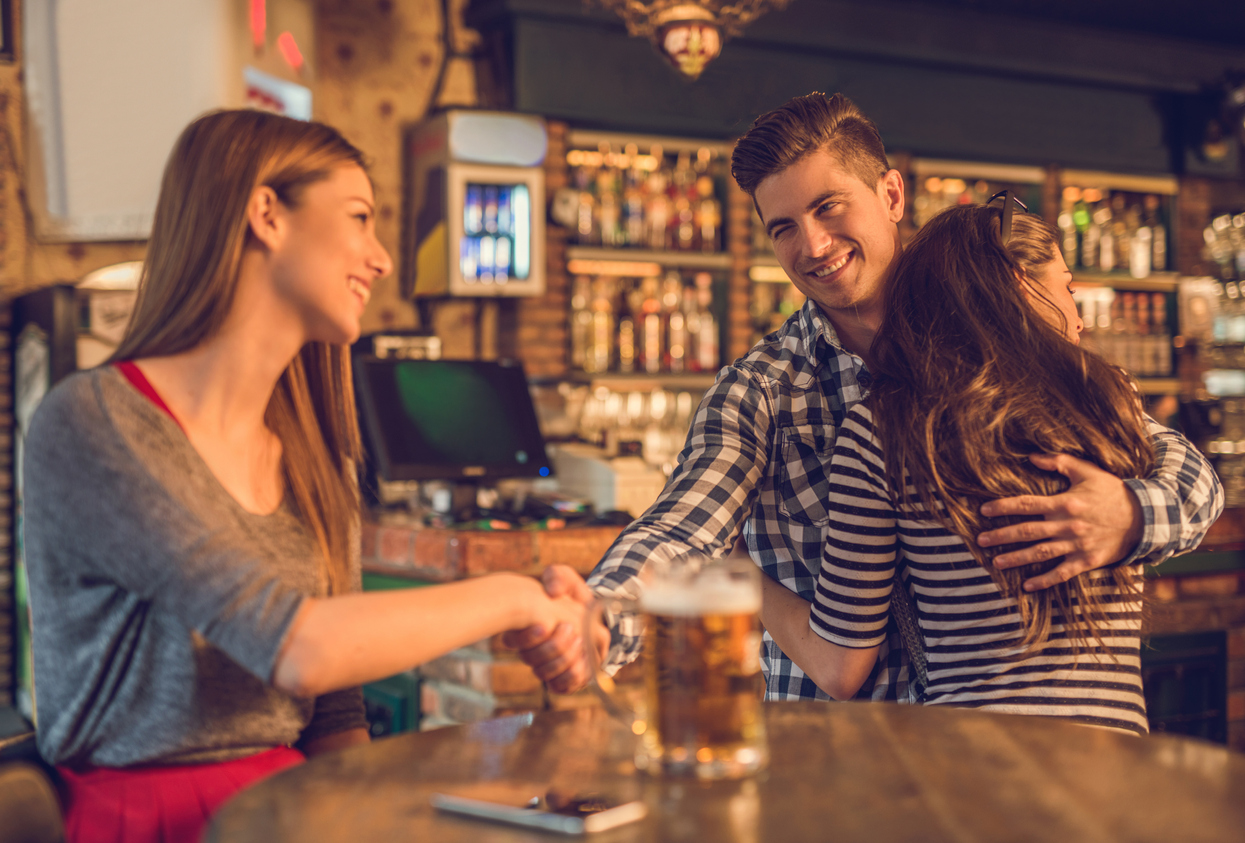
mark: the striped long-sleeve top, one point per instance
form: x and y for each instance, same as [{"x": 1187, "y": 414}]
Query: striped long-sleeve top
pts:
[{"x": 969, "y": 629}]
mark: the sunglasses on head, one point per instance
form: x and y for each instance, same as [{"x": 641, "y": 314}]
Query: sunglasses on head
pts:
[{"x": 1005, "y": 226}]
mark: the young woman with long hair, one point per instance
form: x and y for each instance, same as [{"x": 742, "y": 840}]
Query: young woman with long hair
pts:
[
  {"x": 191, "y": 512},
  {"x": 978, "y": 370}
]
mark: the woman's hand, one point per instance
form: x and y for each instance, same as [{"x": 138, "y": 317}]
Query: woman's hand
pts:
[{"x": 553, "y": 644}]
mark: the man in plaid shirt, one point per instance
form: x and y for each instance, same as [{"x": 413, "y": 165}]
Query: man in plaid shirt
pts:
[{"x": 756, "y": 455}]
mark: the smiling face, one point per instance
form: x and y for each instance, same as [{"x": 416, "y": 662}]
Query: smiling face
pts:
[
  {"x": 834, "y": 235},
  {"x": 328, "y": 257},
  {"x": 1055, "y": 280}
]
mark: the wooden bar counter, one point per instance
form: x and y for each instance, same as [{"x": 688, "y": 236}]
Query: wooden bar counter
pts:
[{"x": 843, "y": 772}]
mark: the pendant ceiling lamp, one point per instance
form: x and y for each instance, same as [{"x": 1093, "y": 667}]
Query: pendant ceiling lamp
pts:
[{"x": 689, "y": 34}]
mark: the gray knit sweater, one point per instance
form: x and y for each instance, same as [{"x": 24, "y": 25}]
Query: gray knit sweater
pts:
[{"x": 159, "y": 604}]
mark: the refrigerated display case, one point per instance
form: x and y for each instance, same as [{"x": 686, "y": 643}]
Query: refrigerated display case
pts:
[{"x": 475, "y": 200}]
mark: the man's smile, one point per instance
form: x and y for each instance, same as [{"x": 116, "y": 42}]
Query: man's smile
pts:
[{"x": 832, "y": 267}]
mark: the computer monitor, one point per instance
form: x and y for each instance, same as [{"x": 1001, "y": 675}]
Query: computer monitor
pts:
[{"x": 456, "y": 420}]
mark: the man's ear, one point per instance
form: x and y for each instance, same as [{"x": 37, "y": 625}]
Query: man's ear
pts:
[
  {"x": 891, "y": 191},
  {"x": 264, "y": 215}
]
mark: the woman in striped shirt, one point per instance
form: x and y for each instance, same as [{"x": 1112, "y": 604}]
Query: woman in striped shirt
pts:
[{"x": 978, "y": 369}]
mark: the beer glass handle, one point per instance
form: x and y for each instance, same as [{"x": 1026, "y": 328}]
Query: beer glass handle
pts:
[{"x": 603, "y": 685}]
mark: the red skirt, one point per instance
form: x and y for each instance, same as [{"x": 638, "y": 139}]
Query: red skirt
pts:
[{"x": 158, "y": 804}]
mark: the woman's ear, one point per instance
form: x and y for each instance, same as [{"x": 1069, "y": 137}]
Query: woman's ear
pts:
[{"x": 264, "y": 213}]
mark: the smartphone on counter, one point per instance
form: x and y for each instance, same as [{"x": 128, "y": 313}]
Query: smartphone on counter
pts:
[{"x": 574, "y": 814}]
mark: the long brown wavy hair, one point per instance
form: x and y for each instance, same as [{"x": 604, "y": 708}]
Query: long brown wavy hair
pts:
[
  {"x": 187, "y": 289},
  {"x": 975, "y": 375}
]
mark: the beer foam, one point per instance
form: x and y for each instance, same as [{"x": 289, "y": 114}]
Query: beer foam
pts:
[{"x": 708, "y": 596}]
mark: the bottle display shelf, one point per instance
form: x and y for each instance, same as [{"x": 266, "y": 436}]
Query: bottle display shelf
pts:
[
  {"x": 1156, "y": 282},
  {"x": 1158, "y": 386},
  {"x": 604, "y": 260},
  {"x": 644, "y": 381}
]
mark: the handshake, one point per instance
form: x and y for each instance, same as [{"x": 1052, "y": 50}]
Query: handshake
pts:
[{"x": 554, "y": 648}]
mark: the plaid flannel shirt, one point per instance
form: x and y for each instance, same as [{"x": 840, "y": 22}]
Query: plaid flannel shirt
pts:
[{"x": 755, "y": 465}]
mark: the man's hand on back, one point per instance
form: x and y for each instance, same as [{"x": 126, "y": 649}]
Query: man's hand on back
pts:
[
  {"x": 1095, "y": 523},
  {"x": 557, "y": 656}
]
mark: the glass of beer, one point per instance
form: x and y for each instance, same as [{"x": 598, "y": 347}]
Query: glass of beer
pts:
[{"x": 700, "y": 713}]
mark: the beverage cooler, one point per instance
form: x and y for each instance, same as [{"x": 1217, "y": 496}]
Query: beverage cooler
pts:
[{"x": 475, "y": 206}]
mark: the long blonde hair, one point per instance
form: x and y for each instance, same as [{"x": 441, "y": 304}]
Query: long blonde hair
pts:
[{"x": 190, "y": 277}]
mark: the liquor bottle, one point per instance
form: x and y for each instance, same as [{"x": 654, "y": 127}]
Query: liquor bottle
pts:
[
  {"x": 691, "y": 321},
  {"x": 1158, "y": 303},
  {"x": 684, "y": 224},
  {"x": 1219, "y": 325},
  {"x": 1122, "y": 233},
  {"x": 708, "y": 214},
  {"x": 1235, "y": 316},
  {"x": 1080, "y": 221},
  {"x": 627, "y": 299},
  {"x": 676, "y": 323},
  {"x": 1156, "y": 335},
  {"x": 608, "y": 211},
  {"x": 1142, "y": 243},
  {"x": 1067, "y": 228},
  {"x": 657, "y": 211},
  {"x": 650, "y": 330},
  {"x": 586, "y": 228},
  {"x": 1154, "y": 219},
  {"x": 581, "y": 321},
  {"x": 1147, "y": 362},
  {"x": 1091, "y": 241},
  {"x": 601, "y": 349},
  {"x": 683, "y": 195},
  {"x": 633, "y": 206},
  {"x": 1125, "y": 332},
  {"x": 707, "y": 353},
  {"x": 1106, "y": 241}
]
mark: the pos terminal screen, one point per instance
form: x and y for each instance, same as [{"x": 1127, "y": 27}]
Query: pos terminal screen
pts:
[{"x": 449, "y": 419}]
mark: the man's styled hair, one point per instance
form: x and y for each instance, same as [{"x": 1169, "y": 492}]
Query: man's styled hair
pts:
[{"x": 802, "y": 126}]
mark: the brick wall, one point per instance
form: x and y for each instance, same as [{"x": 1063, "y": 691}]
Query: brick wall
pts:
[
  {"x": 441, "y": 555},
  {"x": 1204, "y": 603},
  {"x": 542, "y": 338}
]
